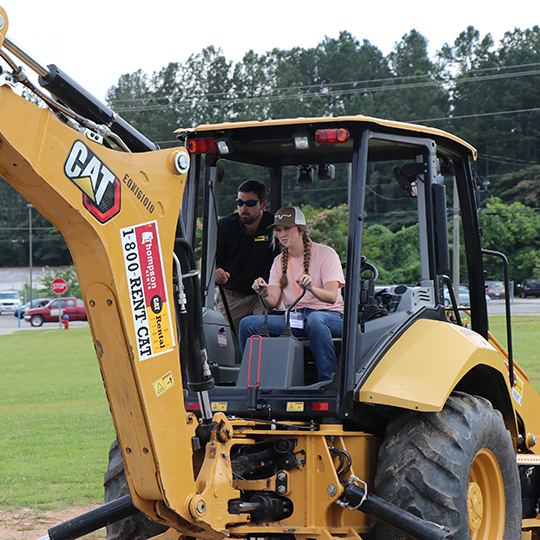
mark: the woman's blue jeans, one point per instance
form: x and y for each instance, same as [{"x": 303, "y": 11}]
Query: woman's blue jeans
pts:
[{"x": 320, "y": 326}]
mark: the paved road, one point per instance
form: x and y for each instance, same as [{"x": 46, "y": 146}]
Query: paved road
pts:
[
  {"x": 10, "y": 324},
  {"x": 519, "y": 306}
]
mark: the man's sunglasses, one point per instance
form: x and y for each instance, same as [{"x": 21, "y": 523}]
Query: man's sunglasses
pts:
[{"x": 250, "y": 204}]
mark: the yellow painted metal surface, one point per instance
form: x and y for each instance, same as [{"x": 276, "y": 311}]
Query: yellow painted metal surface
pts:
[
  {"x": 4, "y": 26},
  {"x": 315, "y": 487},
  {"x": 55, "y": 168},
  {"x": 425, "y": 364}
]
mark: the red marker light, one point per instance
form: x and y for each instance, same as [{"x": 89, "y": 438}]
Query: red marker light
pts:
[
  {"x": 202, "y": 146},
  {"x": 332, "y": 136},
  {"x": 193, "y": 407},
  {"x": 320, "y": 406}
]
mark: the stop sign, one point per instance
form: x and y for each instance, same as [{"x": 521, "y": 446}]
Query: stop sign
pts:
[{"x": 59, "y": 286}]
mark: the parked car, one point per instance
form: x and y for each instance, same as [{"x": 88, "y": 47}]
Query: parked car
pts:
[
  {"x": 495, "y": 289},
  {"x": 37, "y": 302},
  {"x": 72, "y": 307},
  {"x": 463, "y": 299},
  {"x": 9, "y": 301},
  {"x": 529, "y": 287}
]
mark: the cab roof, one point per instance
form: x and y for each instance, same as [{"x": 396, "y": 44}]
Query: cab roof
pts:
[{"x": 442, "y": 137}]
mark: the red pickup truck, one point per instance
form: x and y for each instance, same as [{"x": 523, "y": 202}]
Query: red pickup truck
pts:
[{"x": 72, "y": 307}]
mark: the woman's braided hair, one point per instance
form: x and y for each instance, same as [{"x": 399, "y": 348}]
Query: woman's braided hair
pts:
[{"x": 283, "y": 281}]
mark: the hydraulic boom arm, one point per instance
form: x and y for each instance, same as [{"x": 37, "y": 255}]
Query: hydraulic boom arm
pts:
[{"x": 118, "y": 213}]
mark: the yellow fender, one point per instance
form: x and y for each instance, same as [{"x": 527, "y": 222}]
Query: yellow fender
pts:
[{"x": 426, "y": 363}]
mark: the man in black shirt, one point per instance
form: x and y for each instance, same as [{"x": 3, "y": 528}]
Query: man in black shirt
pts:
[{"x": 244, "y": 251}]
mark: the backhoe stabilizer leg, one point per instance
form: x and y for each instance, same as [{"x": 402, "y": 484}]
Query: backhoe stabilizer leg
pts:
[
  {"x": 93, "y": 520},
  {"x": 356, "y": 497}
]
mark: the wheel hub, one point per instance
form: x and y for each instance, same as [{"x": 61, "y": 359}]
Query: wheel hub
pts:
[
  {"x": 485, "y": 498},
  {"x": 475, "y": 506}
]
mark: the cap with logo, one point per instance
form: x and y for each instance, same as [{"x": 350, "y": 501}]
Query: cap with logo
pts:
[{"x": 289, "y": 216}]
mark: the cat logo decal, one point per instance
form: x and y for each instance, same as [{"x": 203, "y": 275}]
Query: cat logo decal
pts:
[{"x": 100, "y": 186}]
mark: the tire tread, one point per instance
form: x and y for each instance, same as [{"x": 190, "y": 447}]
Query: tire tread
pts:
[{"x": 425, "y": 459}]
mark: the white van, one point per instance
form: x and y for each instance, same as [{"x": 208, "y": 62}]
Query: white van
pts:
[{"x": 9, "y": 301}]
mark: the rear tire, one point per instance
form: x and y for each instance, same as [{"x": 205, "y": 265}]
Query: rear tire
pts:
[
  {"x": 456, "y": 468},
  {"x": 36, "y": 320},
  {"x": 136, "y": 527}
]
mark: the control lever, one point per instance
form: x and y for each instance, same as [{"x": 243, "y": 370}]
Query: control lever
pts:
[{"x": 288, "y": 332}]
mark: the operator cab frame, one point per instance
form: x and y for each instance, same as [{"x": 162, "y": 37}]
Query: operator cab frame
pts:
[{"x": 423, "y": 157}]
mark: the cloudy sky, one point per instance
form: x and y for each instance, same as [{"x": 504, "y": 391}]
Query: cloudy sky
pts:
[{"x": 96, "y": 42}]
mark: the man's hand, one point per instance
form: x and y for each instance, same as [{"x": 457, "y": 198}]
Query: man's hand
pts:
[{"x": 222, "y": 276}]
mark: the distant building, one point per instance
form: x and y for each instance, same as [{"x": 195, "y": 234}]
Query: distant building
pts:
[{"x": 15, "y": 279}]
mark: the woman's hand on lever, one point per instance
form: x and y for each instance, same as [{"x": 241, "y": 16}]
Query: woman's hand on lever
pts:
[
  {"x": 327, "y": 293},
  {"x": 270, "y": 294},
  {"x": 260, "y": 285},
  {"x": 306, "y": 281}
]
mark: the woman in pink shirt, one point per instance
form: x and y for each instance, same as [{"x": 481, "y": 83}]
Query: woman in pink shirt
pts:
[{"x": 302, "y": 263}]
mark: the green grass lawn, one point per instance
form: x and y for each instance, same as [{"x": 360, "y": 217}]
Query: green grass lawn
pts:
[
  {"x": 56, "y": 425},
  {"x": 525, "y": 340}
]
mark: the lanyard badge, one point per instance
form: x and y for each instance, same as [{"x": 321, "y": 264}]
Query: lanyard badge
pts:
[{"x": 296, "y": 320}]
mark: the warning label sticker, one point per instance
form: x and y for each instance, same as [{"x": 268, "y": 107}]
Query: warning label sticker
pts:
[
  {"x": 163, "y": 384},
  {"x": 219, "y": 406},
  {"x": 295, "y": 406},
  {"x": 147, "y": 290},
  {"x": 517, "y": 389}
]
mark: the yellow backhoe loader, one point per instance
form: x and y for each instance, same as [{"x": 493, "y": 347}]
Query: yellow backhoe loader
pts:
[{"x": 428, "y": 427}]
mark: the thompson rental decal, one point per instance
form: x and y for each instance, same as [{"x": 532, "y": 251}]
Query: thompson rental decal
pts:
[
  {"x": 147, "y": 291},
  {"x": 100, "y": 186}
]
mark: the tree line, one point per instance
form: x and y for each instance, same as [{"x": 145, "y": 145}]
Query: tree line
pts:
[
  {"x": 513, "y": 229},
  {"x": 487, "y": 93}
]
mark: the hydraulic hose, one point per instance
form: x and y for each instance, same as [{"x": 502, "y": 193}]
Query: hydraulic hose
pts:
[
  {"x": 199, "y": 378},
  {"x": 74, "y": 96}
]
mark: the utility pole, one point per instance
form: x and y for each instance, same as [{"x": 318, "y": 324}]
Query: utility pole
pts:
[{"x": 30, "y": 262}]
